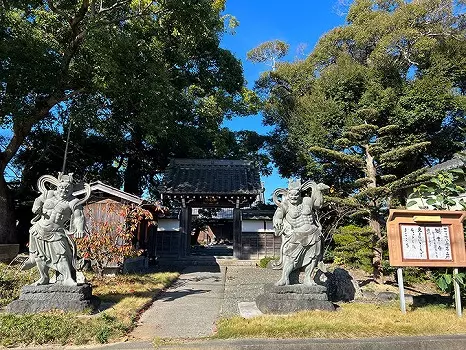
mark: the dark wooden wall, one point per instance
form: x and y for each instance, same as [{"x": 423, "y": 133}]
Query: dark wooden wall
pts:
[{"x": 257, "y": 245}]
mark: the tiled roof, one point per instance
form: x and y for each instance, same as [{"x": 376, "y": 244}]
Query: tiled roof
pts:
[
  {"x": 257, "y": 214},
  {"x": 100, "y": 187},
  {"x": 211, "y": 176},
  {"x": 456, "y": 162}
]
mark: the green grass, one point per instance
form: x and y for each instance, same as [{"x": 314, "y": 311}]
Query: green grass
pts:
[
  {"x": 56, "y": 328},
  {"x": 265, "y": 260},
  {"x": 127, "y": 295},
  {"x": 352, "y": 320},
  {"x": 11, "y": 282}
]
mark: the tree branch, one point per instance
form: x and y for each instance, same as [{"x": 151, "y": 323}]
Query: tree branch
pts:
[
  {"x": 405, "y": 55},
  {"x": 114, "y": 6},
  {"x": 23, "y": 127}
]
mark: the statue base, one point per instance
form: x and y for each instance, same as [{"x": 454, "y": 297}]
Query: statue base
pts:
[
  {"x": 53, "y": 297},
  {"x": 293, "y": 298}
]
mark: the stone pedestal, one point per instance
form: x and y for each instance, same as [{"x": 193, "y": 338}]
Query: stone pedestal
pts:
[
  {"x": 293, "y": 298},
  {"x": 53, "y": 297}
]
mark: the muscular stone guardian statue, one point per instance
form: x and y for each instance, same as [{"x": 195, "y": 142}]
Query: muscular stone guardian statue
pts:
[
  {"x": 296, "y": 221},
  {"x": 59, "y": 218}
]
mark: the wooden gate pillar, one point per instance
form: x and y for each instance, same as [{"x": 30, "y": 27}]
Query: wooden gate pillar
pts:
[
  {"x": 237, "y": 228},
  {"x": 151, "y": 245},
  {"x": 185, "y": 231}
]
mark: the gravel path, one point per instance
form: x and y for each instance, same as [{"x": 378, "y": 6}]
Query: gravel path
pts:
[{"x": 244, "y": 284}]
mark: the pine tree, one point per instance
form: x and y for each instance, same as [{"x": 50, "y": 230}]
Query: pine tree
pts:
[
  {"x": 376, "y": 151},
  {"x": 376, "y": 102}
]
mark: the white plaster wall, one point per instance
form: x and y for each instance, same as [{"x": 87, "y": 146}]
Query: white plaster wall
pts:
[
  {"x": 257, "y": 226},
  {"x": 168, "y": 225}
]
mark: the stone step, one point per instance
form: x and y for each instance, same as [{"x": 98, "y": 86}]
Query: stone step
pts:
[{"x": 205, "y": 261}]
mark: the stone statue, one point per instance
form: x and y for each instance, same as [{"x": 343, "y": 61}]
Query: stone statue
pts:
[
  {"x": 296, "y": 221},
  {"x": 59, "y": 218}
]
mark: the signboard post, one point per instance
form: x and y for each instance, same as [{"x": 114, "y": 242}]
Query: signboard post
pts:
[{"x": 426, "y": 238}]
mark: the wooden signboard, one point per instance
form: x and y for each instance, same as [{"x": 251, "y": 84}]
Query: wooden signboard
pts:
[{"x": 426, "y": 238}]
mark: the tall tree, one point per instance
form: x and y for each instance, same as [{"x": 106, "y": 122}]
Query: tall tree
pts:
[
  {"x": 134, "y": 73},
  {"x": 268, "y": 52},
  {"x": 376, "y": 101}
]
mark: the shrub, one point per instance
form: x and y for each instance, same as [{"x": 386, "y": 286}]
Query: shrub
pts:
[
  {"x": 353, "y": 246},
  {"x": 111, "y": 234},
  {"x": 265, "y": 261}
]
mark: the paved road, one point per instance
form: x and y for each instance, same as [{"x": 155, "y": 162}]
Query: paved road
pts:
[{"x": 398, "y": 343}]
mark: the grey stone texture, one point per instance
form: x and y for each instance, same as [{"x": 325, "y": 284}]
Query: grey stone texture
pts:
[
  {"x": 188, "y": 309},
  {"x": 53, "y": 297},
  {"x": 244, "y": 284},
  {"x": 59, "y": 219},
  {"x": 293, "y": 298},
  {"x": 450, "y": 342},
  {"x": 295, "y": 220}
]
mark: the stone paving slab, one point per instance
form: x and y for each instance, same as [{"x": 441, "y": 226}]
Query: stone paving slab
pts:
[
  {"x": 244, "y": 284},
  {"x": 249, "y": 309},
  {"x": 188, "y": 309}
]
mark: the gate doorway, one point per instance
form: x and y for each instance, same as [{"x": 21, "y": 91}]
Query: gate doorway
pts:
[
  {"x": 212, "y": 232},
  {"x": 209, "y": 184}
]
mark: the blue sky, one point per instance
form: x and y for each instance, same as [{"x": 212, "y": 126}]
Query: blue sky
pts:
[{"x": 299, "y": 23}]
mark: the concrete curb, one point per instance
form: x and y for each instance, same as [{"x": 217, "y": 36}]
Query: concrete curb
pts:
[{"x": 454, "y": 342}]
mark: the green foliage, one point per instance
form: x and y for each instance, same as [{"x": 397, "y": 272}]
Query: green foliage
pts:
[
  {"x": 353, "y": 246},
  {"x": 140, "y": 82},
  {"x": 265, "y": 261},
  {"x": 411, "y": 275},
  {"x": 379, "y": 98},
  {"x": 379, "y": 81},
  {"x": 268, "y": 51},
  {"x": 444, "y": 280},
  {"x": 440, "y": 190}
]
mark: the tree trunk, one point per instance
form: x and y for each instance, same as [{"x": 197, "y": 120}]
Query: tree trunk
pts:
[
  {"x": 371, "y": 173},
  {"x": 21, "y": 130},
  {"x": 7, "y": 215},
  {"x": 133, "y": 171},
  {"x": 133, "y": 176},
  {"x": 377, "y": 249}
]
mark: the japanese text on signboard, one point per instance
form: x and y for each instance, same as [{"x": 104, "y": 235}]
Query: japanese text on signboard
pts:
[{"x": 426, "y": 242}]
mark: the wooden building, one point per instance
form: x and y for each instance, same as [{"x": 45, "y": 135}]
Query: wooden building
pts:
[
  {"x": 104, "y": 204},
  {"x": 231, "y": 186}
]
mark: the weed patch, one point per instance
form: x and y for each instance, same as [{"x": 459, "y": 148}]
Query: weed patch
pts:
[
  {"x": 350, "y": 321},
  {"x": 127, "y": 294}
]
